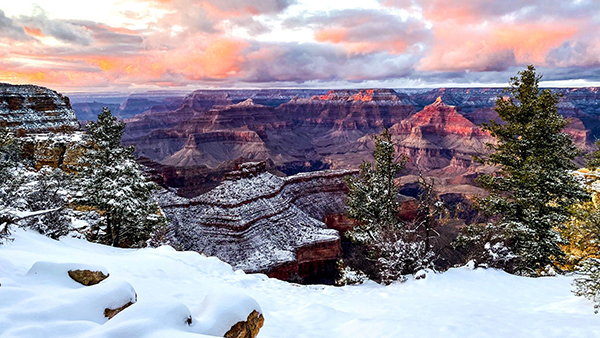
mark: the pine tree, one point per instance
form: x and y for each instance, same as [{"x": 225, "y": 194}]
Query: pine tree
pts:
[
  {"x": 113, "y": 182},
  {"x": 531, "y": 193},
  {"x": 386, "y": 250},
  {"x": 9, "y": 182},
  {"x": 583, "y": 235},
  {"x": 593, "y": 162},
  {"x": 431, "y": 212}
]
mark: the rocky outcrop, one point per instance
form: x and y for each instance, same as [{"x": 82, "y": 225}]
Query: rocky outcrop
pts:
[
  {"x": 248, "y": 328},
  {"x": 54, "y": 150},
  {"x": 259, "y": 222},
  {"x": 35, "y": 109},
  {"x": 438, "y": 137},
  {"x": 216, "y": 147},
  {"x": 110, "y": 313},
  {"x": 367, "y": 109},
  {"x": 244, "y": 114},
  {"x": 334, "y": 129},
  {"x": 87, "y": 277}
]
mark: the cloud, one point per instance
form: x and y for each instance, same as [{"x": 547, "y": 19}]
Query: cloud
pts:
[
  {"x": 9, "y": 29},
  {"x": 229, "y": 43},
  {"x": 365, "y": 31},
  {"x": 210, "y": 16},
  {"x": 61, "y": 30},
  {"x": 303, "y": 62},
  {"x": 508, "y": 10}
]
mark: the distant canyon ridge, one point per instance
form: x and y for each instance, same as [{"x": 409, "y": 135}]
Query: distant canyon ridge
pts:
[{"x": 193, "y": 140}]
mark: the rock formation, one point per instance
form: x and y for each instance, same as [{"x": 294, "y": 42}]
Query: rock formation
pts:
[
  {"x": 248, "y": 328},
  {"x": 441, "y": 143},
  {"x": 259, "y": 222},
  {"x": 35, "y": 109},
  {"x": 87, "y": 277},
  {"x": 57, "y": 150}
]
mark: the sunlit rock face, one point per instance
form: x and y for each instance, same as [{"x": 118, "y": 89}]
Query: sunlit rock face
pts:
[
  {"x": 35, "y": 109},
  {"x": 259, "y": 222},
  {"x": 365, "y": 110}
]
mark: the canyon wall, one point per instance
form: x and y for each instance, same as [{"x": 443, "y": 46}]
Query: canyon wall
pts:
[
  {"x": 259, "y": 222},
  {"x": 35, "y": 109}
]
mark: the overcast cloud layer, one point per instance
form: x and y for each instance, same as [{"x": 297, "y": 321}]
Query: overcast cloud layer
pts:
[{"x": 149, "y": 44}]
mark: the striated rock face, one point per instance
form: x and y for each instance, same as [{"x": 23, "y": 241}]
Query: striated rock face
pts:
[
  {"x": 439, "y": 137},
  {"x": 440, "y": 119},
  {"x": 171, "y": 112},
  {"x": 216, "y": 147},
  {"x": 35, "y": 109},
  {"x": 259, "y": 222},
  {"x": 245, "y": 114},
  {"x": 349, "y": 109}
]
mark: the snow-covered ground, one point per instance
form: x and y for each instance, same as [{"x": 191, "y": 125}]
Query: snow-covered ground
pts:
[{"x": 170, "y": 285}]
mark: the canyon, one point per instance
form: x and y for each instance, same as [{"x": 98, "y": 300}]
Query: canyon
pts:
[
  {"x": 256, "y": 177},
  {"x": 306, "y": 130},
  {"x": 260, "y": 222}
]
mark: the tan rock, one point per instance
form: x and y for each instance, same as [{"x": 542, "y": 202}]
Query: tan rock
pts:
[
  {"x": 109, "y": 313},
  {"x": 248, "y": 328},
  {"x": 87, "y": 277}
]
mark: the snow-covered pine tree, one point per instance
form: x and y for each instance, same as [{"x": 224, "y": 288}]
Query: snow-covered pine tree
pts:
[
  {"x": 113, "y": 182},
  {"x": 430, "y": 214},
  {"x": 531, "y": 193},
  {"x": 390, "y": 250},
  {"x": 50, "y": 189},
  {"x": 373, "y": 196},
  {"x": 8, "y": 181},
  {"x": 583, "y": 235},
  {"x": 594, "y": 158}
]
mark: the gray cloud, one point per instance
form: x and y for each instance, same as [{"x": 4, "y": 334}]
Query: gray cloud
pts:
[
  {"x": 295, "y": 62},
  {"x": 257, "y": 6},
  {"x": 366, "y": 26},
  {"x": 518, "y": 9},
  {"x": 9, "y": 29},
  {"x": 61, "y": 30}
]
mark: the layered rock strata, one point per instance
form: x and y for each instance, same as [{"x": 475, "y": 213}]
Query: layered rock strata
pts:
[
  {"x": 35, "y": 109},
  {"x": 259, "y": 222},
  {"x": 438, "y": 137}
]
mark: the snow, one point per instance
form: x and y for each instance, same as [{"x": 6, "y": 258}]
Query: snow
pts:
[{"x": 37, "y": 300}]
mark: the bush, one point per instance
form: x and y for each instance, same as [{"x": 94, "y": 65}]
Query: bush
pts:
[{"x": 587, "y": 284}]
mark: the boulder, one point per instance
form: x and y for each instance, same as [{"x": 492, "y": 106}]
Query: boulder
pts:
[
  {"x": 248, "y": 328},
  {"x": 87, "y": 277},
  {"x": 110, "y": 313}
]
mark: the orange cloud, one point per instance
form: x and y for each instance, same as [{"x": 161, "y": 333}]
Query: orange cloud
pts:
[
  {"x": 531, "y": 42},
  {"x": 334, "y": 35},
  {"x": 220, "y": 59},
  {"x": 216, "y": 12},
  {"x": 33, "y": 31},
  {"x": 491, "y": 46}
]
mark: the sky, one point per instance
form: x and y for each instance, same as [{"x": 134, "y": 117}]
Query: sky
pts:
[{"x": 135, "y": 45}]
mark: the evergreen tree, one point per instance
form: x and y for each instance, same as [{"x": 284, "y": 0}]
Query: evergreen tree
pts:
[
  {"x": 373, "y": 196},
  {"x": 430, "y": 213},
  {"x": 113, "y": 182},
  {"x": 531, "y": 193},
  {"x": 386, "y": 250},
  {"x": 9, "y": 181},
  {"x": 583, "y": 235},
  {"x": 593, "y": 162}
]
